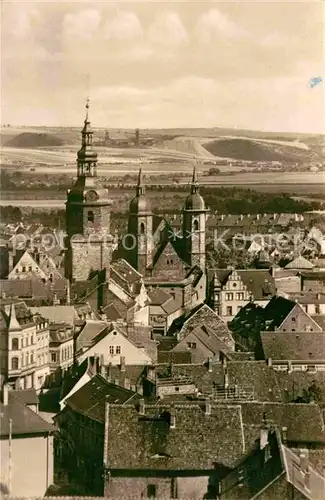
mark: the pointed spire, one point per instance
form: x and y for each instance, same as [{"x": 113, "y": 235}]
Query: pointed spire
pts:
[
  {"x": 13, "y": 322},
  {"x": 195, "y": 184},
  {"x": 87, "y": 107},
  {"x": 140, "y": 186},
  {"x": 87, "y": 157}
]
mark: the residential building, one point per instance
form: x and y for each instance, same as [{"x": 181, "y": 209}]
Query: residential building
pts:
[
  {"x": 61, "y": 346},
  {"x": 26, "y": 449},
  {"x": 24, "y": 346},
  {"x": 164, "y": 308},
  {"x": 231, "y": 289}
]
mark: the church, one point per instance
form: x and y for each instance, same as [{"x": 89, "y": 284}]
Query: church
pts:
[{"x": 151, "y": 249}]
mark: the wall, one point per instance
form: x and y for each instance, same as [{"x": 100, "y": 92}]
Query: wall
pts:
[
  {"x": 136, "y": 487},
  {"x": 32, "y": 465},
  {"x": 200, "y": 353},
  {"x": 289, "y": 284},
  {"x": 133, "y": 355},
  {"x": 299, "y": 321}
]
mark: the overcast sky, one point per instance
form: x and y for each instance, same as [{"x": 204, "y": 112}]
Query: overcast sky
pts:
[{"x": 164, "y": 64}]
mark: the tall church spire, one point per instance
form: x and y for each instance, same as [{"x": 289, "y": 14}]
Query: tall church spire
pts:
[
  {"x": 140, "y": 187},
  {"x": 87, "y": 157},
  {"x": 195, "y": 185}
]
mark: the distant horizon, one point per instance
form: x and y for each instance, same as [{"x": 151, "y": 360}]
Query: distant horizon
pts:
[
  {"x": 164, "y": 65},
  {"x": 94, "y": 127}
]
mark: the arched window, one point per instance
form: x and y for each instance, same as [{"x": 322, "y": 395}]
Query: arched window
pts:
[
  {"x": 196, "y": 225},
  {"x": 142, "y": 228},
  {"x": 15, "y": 364},
  {"x": 15, "y": 344},
  {"x": 90, "y": 215}
]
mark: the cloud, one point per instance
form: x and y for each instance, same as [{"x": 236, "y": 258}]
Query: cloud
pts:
[
  {"x": 167, "y": 29},
  {"x": 81, "y": 24},
  {"x": 214, "y": 23},
  {"x": 124, "y": 26},
  {"x": 19, "y": 23}
]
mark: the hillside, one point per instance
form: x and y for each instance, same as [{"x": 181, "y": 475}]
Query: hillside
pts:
[
  {"x": 248, "y": 149},
  {"x": 34, "y": 140}
]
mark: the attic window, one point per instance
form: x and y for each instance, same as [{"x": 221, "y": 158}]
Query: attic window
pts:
[
  {"x": 151, "y": 491},
  {"x": 293, "y": 319}
]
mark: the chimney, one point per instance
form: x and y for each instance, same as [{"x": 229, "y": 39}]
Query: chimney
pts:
[
  {"x": 172, "y": 418},
  {"x": 109, "y": 372},
  {"x": 207, "y": 406},
  {"x": 68, "y": 295},
  {"x": 264, "y": 437},
  {"x": 122, "y": 363},
  {"x": 5, "y": 394},
  {"x": 284, "y": 435},
  {"x": 103, "y": 370},
  {"x": 222, "y": 217},
  {"x": 226, "y": 379},
  {"x": 127, "y": 384},
  {"x": 304, "y": 462},
  {"x": 210, "y": 365},
  {"x": 142, "y": 409},
  {"x": 274, "y": 216},
  {"x": 101, "y": 362},
  {"x": 269, "y": 361}
]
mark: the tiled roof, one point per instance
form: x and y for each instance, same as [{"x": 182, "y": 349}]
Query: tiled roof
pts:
[
  {"x": 131, "y": 373},
  {"x": 126, "y": 271},
  {"x": 319, "y": 319},
  {"x": 57, "y": 314},
  {"x": 90, "y": 399},
  {"x": 293, "y": 384},
  {"x": 27, "y": 396},
  {"x": 259, "y": 282},
  {"x": 181, "y": 357},
  {"x": 276, "y": 311},
  {"x": 24, "y": 420},
  {"x": 299, "y": 263},
  {"x": 158, "y": 296},
  {"x": 60, "y": 333},
  {"x": 111, "y": 312},
  {"x": 205, "y": 316},
  {"x": 89, "y": 332},
  {"x": 33, "y": 288},
  {"x": 211, "y": 339},
  {"x": 153, "y": 444},
  {"x": 294, "y": 416},
  {"x": 294, "y": 345}
]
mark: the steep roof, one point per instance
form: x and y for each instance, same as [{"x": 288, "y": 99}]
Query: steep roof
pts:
[
  {"x": 294, "y": 345},
  {"x": 293, "y": 416},
  {"x": 27, "y": 396},
  {"x": 258, "y": 282},
  {"x": 299, "y": 263},
  {"x": 154, "y": 444},
  {"x": 24, "y": 420},
  {"x": 90, "y": 399},
  {"x": 205, "y": 316},
  {"x": 34, "y": 289},
  {"x": 58, "y": 313},
  {"x": 89, "y": 332}
]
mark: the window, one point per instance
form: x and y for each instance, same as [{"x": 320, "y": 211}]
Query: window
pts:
[
  {"x": 30, "y": 268},
  {"x": 15, "y": 363},
  {"x": 234, "y": 284},
  {"x": 191, "y": 345},
  {"x": 26, "y": 359},
  {"x": 90, "y": 216},
  {"x": 111, "y": 350},
  {"x": 142, "y": 228},
  {"x": 229, "y": 311},
  {"x": 15, "y": 344},
  {"x": 240, "y": 296},
  {"x": 317, "y": 309},
  {"x": 151, "y": 491},
  {"x": 293, "y": 319},
  {"x": 53, "y": 357},
  {"x": 118, "y": 349},
  {"x": 229, "y": 296},
  {"x": 195, "y": 225},
  {"x": 24, "y": 269},
  {"x": 17, "y": 271}
]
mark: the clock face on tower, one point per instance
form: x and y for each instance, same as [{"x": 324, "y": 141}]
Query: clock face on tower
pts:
[{"x": 91, "y": 196}]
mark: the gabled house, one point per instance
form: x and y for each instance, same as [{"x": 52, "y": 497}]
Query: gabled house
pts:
[
  {"x": 26, "y": 447},
  {"x": 204, "y": 319},
  {"x": 108, "y": 341},
  {"x": 160, "y": 460},
  {"x": 35, "y": 266},
  {"x": 229, "y": 290},
  {"x": 164, "y": 308}
]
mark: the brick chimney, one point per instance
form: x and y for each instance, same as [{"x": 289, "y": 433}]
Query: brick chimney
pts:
[
  {"x": 142, "y": 408},
  {"x": 210, "y": 365},
  {"x": 207, "y": 406},
  {"x": 284, "y": 435},
  {"x": 5, "y": 394}
]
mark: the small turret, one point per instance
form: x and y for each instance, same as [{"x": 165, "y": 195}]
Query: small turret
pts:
[{"x": 87, "y": 157}]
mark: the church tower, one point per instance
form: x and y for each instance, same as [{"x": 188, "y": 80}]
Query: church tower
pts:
[
  {"x": 194, "y": 219},
  {"x": 87, "y": 215},
  {"x": 139, "y": 243}
]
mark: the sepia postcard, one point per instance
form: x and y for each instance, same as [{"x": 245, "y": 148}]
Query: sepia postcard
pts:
[{"x": 162, "y": 250}]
